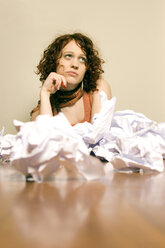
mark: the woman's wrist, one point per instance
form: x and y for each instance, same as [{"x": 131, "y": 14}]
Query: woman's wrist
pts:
[
  {"x": 44, "y": 92},
  {"x": 45, "y": 106}
]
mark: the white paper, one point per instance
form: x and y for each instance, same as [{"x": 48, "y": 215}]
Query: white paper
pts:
[
  {"x": 125, "y": 139},
  {"x": 42, "y": 146},
  {"x": 133, "y": 141}
]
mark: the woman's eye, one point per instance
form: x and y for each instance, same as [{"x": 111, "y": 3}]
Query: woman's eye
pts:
[
  {"x": 83, "y": 59},
  {"x": 68, "y": 56}
]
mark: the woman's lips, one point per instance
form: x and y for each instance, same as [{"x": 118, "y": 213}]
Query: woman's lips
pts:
[{"x": 72, "y": 73}]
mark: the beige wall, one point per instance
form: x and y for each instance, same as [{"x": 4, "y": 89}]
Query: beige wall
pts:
[{"x": 129, "y": 33}]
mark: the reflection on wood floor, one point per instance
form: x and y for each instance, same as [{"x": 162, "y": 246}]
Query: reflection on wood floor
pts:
[{"x": 119, "y": 210}]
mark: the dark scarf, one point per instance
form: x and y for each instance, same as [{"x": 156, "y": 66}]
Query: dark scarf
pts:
[{"x": 65, "y": 98}]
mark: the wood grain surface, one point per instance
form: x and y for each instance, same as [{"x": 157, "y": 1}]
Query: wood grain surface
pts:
[{"x": 65, "y": 211}]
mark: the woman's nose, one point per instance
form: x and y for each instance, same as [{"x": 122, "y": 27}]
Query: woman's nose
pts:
[
  {"x": 75, "y": 67},
  {"x": 74, "y": 64}
]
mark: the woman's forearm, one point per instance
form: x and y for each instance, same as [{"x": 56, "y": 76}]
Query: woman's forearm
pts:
[
  {"x": 45, "y": 106},
  {"x": 52, "y": 83}
]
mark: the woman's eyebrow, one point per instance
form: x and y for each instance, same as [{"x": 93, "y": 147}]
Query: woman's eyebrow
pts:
[
  {"x": 82, "y": 54},
  {"x": 68, "y": 52}
]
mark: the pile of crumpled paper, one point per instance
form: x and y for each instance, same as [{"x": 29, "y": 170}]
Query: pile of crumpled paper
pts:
[{"x": 126, "y": 140}]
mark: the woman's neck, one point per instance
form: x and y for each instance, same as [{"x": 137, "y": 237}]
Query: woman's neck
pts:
[{"x": 70, "y": 87}]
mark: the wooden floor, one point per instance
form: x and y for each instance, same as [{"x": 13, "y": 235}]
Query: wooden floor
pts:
[{"x": 119, "y": 210}]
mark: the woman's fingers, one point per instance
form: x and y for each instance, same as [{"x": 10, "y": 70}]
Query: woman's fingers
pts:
[
  {"x": 54, "y": 82},
  {"x": 64, "y": 82},
  {"x": 59, "y": 81}
]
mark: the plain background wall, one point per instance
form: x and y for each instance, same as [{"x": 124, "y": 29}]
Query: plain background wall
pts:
[{"x": 130, "y": 35}]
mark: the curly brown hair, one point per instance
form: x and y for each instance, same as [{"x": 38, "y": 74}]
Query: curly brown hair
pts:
[{"x": 51, "y": 55}]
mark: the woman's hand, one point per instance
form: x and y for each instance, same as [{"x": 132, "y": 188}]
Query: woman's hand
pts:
[{"x": 53, "y": 83}]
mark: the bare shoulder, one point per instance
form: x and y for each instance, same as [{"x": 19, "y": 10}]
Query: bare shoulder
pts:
[
  {"x": 103, "y": 85},
  {"x": 34, "y": 115}
]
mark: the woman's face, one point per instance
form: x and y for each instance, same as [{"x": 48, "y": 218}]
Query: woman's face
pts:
[{"x": 72, "y": 64}]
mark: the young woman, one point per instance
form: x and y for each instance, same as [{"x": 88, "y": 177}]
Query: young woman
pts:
[{"x": 71, "y": 75}]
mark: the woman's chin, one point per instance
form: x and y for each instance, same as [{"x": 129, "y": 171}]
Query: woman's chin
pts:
[{"x": 71, "y": 86}]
